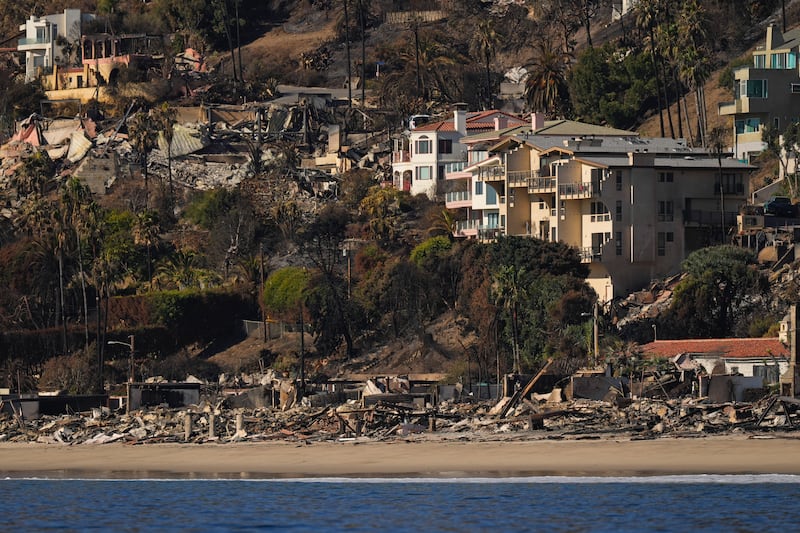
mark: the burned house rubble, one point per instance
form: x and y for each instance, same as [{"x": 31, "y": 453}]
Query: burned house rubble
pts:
[
  {"x": 592, "y": 403},
  {"x": 212, "y": 146}
]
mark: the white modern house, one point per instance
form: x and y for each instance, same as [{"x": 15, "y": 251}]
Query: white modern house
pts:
[
  {"x": 766, "y": 94},
  {"x": 423, "y": 156},
  {"x": 40, "y": 44}
]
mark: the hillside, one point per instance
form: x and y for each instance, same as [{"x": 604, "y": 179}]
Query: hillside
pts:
[{"x": 409, "y": 312}]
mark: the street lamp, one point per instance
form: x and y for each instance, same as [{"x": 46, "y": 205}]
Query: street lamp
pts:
[
  {"x": 130, "y": 347},
  {"x": 595, "y": 332}
]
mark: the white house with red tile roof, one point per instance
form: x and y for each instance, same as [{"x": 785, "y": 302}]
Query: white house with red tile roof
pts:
[
  {"x": 765, "y": 357},
  {"x": 423, "y": 156}
]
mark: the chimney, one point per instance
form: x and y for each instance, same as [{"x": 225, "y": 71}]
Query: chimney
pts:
[
  {"x": 500, "y": 123},
  {"x": 537, "y": 121},
  {"x": 772, "y": 37},
  {"x": 460, "y": 121}
]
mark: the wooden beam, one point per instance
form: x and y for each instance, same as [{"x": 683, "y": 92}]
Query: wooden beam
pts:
[{"x": 526, "y": 390}]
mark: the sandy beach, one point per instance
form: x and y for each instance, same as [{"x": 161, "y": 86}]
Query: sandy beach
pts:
[{"x": 424, "y": 458}]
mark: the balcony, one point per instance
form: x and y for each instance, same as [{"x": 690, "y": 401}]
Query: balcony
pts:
[
  {"x": 695, "y": 217},
  {"x": 728, "y": 108},
  {"x": 33, "y": 41},
  {"x": 467, "y": 227},
  {"x": 495, "y": 173},
  {"x": 591, "y": 254},
  {"x": 520, "y": 178},
  {"x": 541, "y": 185},
  {"x": 487, "y": 233},
  {"x": 402, "y": 156},
  {"x": 458, "y": 199},
  {"x": 576, "y": 190}
]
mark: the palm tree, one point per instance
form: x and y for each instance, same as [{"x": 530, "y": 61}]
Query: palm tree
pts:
[
  {"x": 717, "y": 147},
  {"x": 546, "y": 87},
  {"x": 432, "y": 58},
  {"x": 181, "y": 269},
  {"x": 647, "y": 19},
  {"x": 143, "y": 135},
  {"x": 482, "y": 45},
  {"x": 146, "y": 232},
  {"x": 445, "y": 222},
  {"x": 75, "y": 199},
  {"x": 164, "y": 116},
  {"x": 508, "y": 291},
  {"x": 694, "y": 56}
]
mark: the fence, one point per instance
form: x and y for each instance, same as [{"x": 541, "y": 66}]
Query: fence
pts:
[{"x": 275, "y": 329}]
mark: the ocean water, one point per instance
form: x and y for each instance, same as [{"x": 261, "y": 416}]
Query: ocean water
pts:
[{"x": 551, "y": 504}]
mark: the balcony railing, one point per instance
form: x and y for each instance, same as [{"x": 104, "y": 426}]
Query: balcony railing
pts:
[
  {"x": 495, "y": 173},
  {"x": 486, "y": 233},
  {"x": 520, "y": 178},
  {"x": 536, "y": 184},
  {"x": 590, "y": 254},
  {"x": 33, "y": 40},
  {"x": 467, "y": 225},
  {"x": 459, "y": 196},
  {"x": 708, "y": 218},
  {"x": 402, "y": 156},
  {"x": 576, "y": 190},
  {"x": 454, "y": 167}
]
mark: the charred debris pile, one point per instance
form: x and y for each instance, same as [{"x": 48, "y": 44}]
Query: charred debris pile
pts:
[{"x": 586, "y": 405}]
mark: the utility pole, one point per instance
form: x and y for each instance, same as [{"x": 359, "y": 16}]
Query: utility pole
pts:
[
  {"x": 130, "y": 346},
  {"x": 596, "y": 333},
  {"x": 347, "y": 47}
]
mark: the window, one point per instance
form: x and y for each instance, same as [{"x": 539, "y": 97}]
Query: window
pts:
[
  {"x": 445, "y": 146},
  {"x": 422, "y": 146},
  {"x": 619, "y": 211},
  {"x": 618, "y": 242},
  {"x": 748, "y": 125},
  {"x": 599, "y": 212},
  {"x": 492, "y": 220},
  {"x": 661, "y": 243},
  {"x": 760, "y": 61},
  {"x": 670, "y": 237},
  {"x": 478, "y": 188},
  {"x": 776, "y": 123},
  {"x": 424, "y": 173},
  {"x": 666, "y": 177},
  {"x": 491, "y": 196},
  {"x": 795, "y": 88},
  {"x": 733, "y": 183},
  {"x": 753, "y": 88},
  {"x": 476, "y": 156},
  {"x": 665, "y": 211},
  {"x": 777, "y": 61},
  {"x": 619, "y": 180}
]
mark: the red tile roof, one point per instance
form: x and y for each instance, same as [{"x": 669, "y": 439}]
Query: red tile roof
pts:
[
  {"x": 476, "y": 121},
  {"x": 731, "y": 348}
]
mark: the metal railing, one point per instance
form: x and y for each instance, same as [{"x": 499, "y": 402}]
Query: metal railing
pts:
[
  {"x": 33, "y": 40},
  {"x": 576, "y": 190},
  {"x": 520, "y": 178},
  {"x": 495, "y": 173},
  {"x": 486, "y": 233},
  {"x": 590, "y": 254},
  {"x": 537, "y": 184},
  {"x": 403, "y": 156},
  {"x": 459, "y": 196},
  {"x": 454, "y": 167},
  {"x": 465, "y": 225}
]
